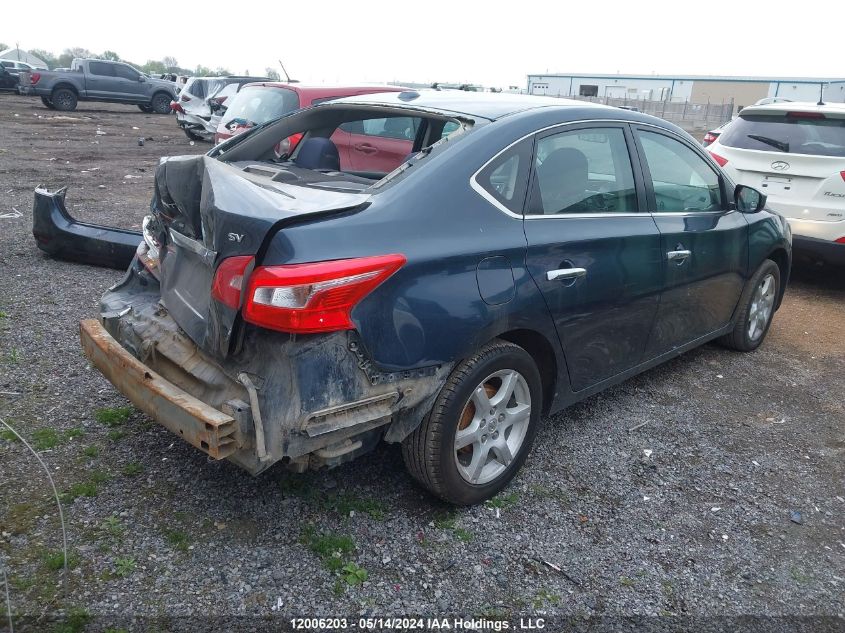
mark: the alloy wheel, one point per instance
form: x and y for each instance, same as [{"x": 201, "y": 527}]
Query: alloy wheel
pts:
[
  {"x": 492, "y": 426},
  {"x": 762, "y": 304}
]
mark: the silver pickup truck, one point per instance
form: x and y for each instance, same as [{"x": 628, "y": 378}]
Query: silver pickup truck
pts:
[{"x": 98, "y": 80}]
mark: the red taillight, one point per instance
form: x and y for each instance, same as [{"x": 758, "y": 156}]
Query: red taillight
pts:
[
  {"x": 316, "y": 297},
  {"x": 842, "y": 173},
  {"x": 286, "y": 146},
  {"x": 34, "y": 78},
  {"x": 709, "y": 138},
  {"x": 229, "y": 279},
  {"x": 185, "y": 98},
  {"x": 722, "y": 161},
  {"x": 176, "y": 107},
  {"x": 841, "y": 240}
]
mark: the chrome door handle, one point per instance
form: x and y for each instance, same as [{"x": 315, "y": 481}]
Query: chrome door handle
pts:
[
  {"x": 566, "y": 273},
  {"x": 678, "y": 256}
]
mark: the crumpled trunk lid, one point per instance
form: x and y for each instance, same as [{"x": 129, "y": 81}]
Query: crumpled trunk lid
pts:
[{"x": 205, "y": 211}]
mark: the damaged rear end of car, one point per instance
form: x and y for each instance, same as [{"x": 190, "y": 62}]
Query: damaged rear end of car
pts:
[{"x": 236, "y": 337}]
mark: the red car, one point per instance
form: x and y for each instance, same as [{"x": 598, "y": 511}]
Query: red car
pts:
[{"x": 376, "y": 145}]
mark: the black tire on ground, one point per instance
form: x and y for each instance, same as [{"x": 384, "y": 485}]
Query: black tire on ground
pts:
[
  {"x": 192, "y": 136},
  {"x": 48, "y": 103},
  {"x": 429, "y": 452},
  {"x": 755, "y": 296},
  {"x": 64, "y": 99},
  {"x": 160, "y": 103},
  {"x": 147, "y": 109}
]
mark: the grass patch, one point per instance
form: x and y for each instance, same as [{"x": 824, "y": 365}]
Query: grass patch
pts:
[
  {"x": 116, "y": 434},
  {"x": 626, "y": 582},
  {"x": 543, "y": 597},
  {"x": 113, "y": 416},
  {"x": 112, "y": 526},
  {"x": 81, "y": 489},
  {"x": 132, "y": 469},
  {"x": 178, "y": 539},
  {"x": 124, "y": 566},
  {"x": 345, "y": 504},
  {"x": 55, "y": 560},
  {"x": 503, "y": 501},
  {"x": 8, "y": 435},
  {"x": 13, "y": 357},
  {"x": 353, "y": 575},
  {"x": 463, "y": 535},
  {"x": 445, "y": 521},
  {"x": 91, "y": 451},
  {"x": 73, "y": 433},
  {"x": 74, "y": 622},
  {"x": 45, "y": 439},
  {"x": 331, "y": 548}
]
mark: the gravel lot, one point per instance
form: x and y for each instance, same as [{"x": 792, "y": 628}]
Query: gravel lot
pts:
[{"x": 692, "y": 514}]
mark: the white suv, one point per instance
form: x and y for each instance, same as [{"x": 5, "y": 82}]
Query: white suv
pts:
[{"x": 795, "y": 154}]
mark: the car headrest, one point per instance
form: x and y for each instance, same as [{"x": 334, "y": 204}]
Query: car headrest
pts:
[{"x": 318, "y": 153}]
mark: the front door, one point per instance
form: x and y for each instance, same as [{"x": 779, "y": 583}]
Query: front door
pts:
[
  {"x": 704, "y": 241},
  {"x": 593, "y": 250}
]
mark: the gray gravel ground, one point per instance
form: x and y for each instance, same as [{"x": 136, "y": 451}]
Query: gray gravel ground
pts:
[{"x": 690, "y": 515}]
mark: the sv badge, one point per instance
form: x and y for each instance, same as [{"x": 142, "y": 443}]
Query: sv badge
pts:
[{"x": 236, "y": 237}]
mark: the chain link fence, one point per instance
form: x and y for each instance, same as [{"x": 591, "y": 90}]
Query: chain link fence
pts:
[{"x": 692, "y": 117}]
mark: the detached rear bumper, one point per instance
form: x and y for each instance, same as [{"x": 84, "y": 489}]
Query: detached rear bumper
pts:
[
  {"x": 197, "y": 423},
  {"x": 61, "y": 236}
]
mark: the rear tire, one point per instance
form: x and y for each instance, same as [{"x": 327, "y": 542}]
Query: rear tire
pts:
[
  {"x": 160, "y": 103},
  {"x": 492, "y": 403},
  {"x": 64, "y": 99},
  {"x": 48, "y": 103},
  {"x": 146, "y": 109},
  {"x": 756, "y": 309}
]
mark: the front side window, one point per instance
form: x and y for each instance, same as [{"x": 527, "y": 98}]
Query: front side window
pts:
[
  {"x": 258, "y": 104},
  {"x": 682, "y": 180},
  {"x": 124, "y": 72},
  {"x": 583, "y": 171}
]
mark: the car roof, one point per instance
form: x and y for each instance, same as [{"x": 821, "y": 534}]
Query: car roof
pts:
[
  {"x": 324, "y": 90},
  {"x": 488, "y": 105},
  {"x": 835, "y": 109}
]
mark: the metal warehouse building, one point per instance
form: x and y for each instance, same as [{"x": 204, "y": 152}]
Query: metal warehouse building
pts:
[{"x": 741, "y": 91}]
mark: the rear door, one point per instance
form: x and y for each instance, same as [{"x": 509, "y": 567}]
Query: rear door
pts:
[
  {"x": 100, "y": 80},
  {"x": 593, "y": 250},
  {"x": 704, "y": 241}
]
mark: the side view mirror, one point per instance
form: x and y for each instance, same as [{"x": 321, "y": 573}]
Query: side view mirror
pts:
[
  {"x": 141, "y": 78},
  {"x": 748, "y": 200}
]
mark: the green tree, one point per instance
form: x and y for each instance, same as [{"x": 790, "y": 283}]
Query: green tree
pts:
[
  {"x": 222, "y": 72},
  {"x": 171, "y": 63},
  {"x": 51, "y": 60},
  {"x": 202, "y": 71},
  {"x": 110, "y": 55},
  {"x": 271, "y": 74},
  {"x": 3, "y": 47},
  {"x": 154, "y": 67}
]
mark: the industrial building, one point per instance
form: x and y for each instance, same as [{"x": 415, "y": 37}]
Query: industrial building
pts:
[{"x": 741, "y": 91}]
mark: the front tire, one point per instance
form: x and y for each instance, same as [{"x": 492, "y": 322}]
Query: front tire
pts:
[
  {"x": 481, "y": 427},
  {"x": 756, "y": 309},
  {"x": 64, "y": 99}
]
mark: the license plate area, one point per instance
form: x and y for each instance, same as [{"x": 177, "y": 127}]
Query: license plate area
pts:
[{"x": 776, "y": 186}]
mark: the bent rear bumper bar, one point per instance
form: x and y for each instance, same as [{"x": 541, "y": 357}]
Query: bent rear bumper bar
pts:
[
  {"x": 61, "y": 236},
  {"x": 199, "y": 424}
]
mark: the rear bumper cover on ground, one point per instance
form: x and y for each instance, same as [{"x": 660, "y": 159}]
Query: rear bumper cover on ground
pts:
[
  {"x": 61, "y": 236},
  {"x": 825, "y": 250}
]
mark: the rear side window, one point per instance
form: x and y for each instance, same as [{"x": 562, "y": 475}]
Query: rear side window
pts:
[
  {"x": 682, "y": 180},
  {"x": 400, "y": 128},
  {"x": 789, "y": 133},
  {"x": 255, "y": 105},
  {"x": 505, "y": 179},
  {"x": 101, "y": 68},
  {"x": 195, "y": 87},
  {"x": 583, "y": 171}
]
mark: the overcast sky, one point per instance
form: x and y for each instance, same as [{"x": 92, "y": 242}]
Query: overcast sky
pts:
[{"x": 490, "y": 43}]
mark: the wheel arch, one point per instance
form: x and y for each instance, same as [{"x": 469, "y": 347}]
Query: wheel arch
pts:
[
  {"x": 542, "y": 351},
  {"x": 67, "y": 85},
  {"x": 780, "y": 257}
]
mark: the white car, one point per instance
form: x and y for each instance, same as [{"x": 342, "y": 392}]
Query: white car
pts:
[{"x": 795, "y": 154}]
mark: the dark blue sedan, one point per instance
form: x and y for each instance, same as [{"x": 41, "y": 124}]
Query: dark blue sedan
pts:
[{"x": 293, "y": 302}]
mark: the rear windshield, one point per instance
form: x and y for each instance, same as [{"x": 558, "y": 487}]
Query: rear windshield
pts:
[
  {"x": 788, "y": 133},
  {"x": 254, "y": 105},
  {"x": 203, "y": 87}
]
